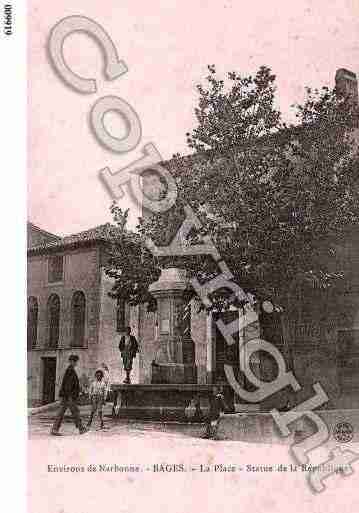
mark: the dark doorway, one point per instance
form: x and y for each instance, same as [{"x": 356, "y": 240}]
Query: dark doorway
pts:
[
  {"x": 49, "y": 380},
  {"x": 223, "y": 352}
]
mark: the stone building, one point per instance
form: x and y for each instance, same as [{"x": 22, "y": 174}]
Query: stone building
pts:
[{"x": 69, "y": 310}]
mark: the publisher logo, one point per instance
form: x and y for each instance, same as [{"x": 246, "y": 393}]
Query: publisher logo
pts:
[{"x": 343, "y": 432}]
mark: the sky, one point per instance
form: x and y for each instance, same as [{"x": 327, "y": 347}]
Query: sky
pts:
[{"x": 166, "y": 46}]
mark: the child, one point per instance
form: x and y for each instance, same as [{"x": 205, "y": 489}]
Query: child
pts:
[
  {"x": 106, "y": 378},
  {"x": 217, "y": 407},
  {"x": 98, "y": 391}
]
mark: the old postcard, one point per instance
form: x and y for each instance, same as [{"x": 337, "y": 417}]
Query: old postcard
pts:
[{"x": 192, "y": 256}]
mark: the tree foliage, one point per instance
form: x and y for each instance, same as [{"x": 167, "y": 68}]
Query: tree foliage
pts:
[
  {"x": 130, "y": 264},
  {"x": 274, "y": 198}
]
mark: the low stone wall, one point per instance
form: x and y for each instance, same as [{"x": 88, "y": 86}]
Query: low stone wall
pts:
[
  {"x": 163, "y": 402},
  {"x": 261, "y": 427}
]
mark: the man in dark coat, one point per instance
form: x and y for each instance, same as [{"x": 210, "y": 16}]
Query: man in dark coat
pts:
[
  {"x": 69, "y": 393},
  {"x": 128, "y": 347}
]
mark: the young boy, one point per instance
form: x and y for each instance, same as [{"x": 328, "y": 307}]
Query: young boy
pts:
[
  {"x": 106, "y": 378},
  {"x": 217, "y": 407},
  {"x": 98, "y": 391}
]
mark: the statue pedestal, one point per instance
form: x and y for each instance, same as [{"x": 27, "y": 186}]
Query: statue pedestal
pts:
[
  {"x": 175, "y": 358},
  {"x": 174, "y": 373}
]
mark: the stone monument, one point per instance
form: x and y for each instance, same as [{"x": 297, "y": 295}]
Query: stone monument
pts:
[{"x": 175, "y": 358}]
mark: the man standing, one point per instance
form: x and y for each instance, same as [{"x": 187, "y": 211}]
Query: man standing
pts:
[
  {"x": 128, "y": 347},
  {"x": 217, "y": 407},
  {"x": 69, "y": 393}
]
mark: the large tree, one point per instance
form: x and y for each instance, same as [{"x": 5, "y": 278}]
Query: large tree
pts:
[{"x": 274, "y": 198}]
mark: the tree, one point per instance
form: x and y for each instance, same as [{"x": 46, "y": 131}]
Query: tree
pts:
[
  {"x": 274, "y": 198},
  {"x": 130, "y": 264}
]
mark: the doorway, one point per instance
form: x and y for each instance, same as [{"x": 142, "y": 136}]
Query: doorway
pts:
[
  {"x": 224, "y": 353},
  {"x": 48, "y": 380}
]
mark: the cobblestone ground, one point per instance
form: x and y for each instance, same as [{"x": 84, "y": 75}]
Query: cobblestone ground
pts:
[
  {"x": 40, "y": 426},
  {"x": 243, "y": 428}
]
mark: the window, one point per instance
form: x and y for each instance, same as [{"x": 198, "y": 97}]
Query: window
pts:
[
  {"x": 78, "y": 309},
  {"x": 55, "y": 268},
  {"x": 53, "y": 320},
  {"x": 32, "y": 317},
  {"x": 223, "y": 352}
]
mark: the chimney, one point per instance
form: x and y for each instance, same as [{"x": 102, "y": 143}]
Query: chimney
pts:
[{"x": 346, "y": 84}]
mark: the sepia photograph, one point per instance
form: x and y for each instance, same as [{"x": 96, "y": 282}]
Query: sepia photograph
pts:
[{"x": 192, "y": 255}]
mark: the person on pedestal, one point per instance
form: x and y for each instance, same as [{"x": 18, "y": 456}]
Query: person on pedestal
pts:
[
  {"x": 128, "y": 347},
  {"x": 69, "y": 393}
]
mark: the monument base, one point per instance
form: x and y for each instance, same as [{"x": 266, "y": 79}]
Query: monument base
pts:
[
  {"x": 163, "y": 402},
  {"x": 174, "y": 373}
]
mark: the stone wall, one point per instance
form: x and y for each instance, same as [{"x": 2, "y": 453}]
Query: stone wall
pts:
[
  {"x": 147, "y": 336},
  {"x": 109, "y": 338},
  {"x": 199, "y": 337},
  {"x": 320, "y": 355},
  {"x": 324, "y": 335}
]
